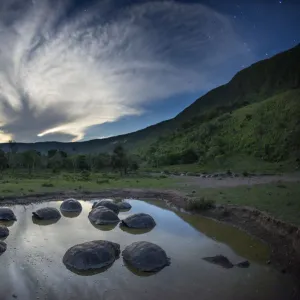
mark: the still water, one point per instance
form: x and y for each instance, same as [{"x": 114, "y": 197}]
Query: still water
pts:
[{"x": 32, "y": 267}]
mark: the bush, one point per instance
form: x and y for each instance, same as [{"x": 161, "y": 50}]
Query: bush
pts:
[
  {"x": 189, "y": 156},
  {"x": 163, "y": 176},
  {"x": 85, "y": 175},
  {"x": 200, "y": 204},
  {"x": 245, "y": 174}
]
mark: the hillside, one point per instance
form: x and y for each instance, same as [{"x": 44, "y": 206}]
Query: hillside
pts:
[
  {"x": 268, "y": 130},
  {"x": 261, "y": 81}
]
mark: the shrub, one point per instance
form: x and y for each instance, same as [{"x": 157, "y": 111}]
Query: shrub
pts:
[
  {"x": 189, "y": 156},
  {"x": 85, "y": 175},
  {"x": 163, "y": 176},
  {"x": 200, "y": 204},
  {"x": 245, "y": 174}
]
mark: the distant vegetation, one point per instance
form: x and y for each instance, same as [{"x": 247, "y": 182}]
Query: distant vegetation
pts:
[
  {"x": 268, "y": 131},
  {"x": 56, "y": 161},
  {"x": 255, "y": 118}
]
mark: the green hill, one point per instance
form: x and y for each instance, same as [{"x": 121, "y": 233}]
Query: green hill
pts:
[
  {"x": 256, "y": 114},
  {"x": 268, "y": 131}
]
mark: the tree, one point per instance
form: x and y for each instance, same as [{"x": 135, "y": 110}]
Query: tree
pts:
[
  {"x": 3, "y": 160},
  {"x": 74, "y": 159},
  {"x": 91, "y": 160},
  {"x": 55, "y": 161},
  {"x": 82, "y": 163},
  {"x": 103, "y": 161},
  {"x": 52, "y": 152},
  {"x": 13, "y": 148},
  {"x": 30, "y": 159},
  {"x": 133, "y": 166},
  {"x": 119, "y": 159},
  {"x": 189, "y": 156}
]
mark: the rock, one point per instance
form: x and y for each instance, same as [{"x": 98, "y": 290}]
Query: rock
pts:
[
  {"x": 139, "y": 221},
  {"x": 47, "y": 213},
  {"x": 243, "y": 264},
  {"x": 109, "y": 204},
  {"x": 145, "y": 257},
  {"x": 4, "y": 232},
  {"x": 103, "y": 216},
  {"x": 71, "y": 205},
  {"x": 124, "y": 205},
  {"x": 91, "y": 255},
  {"x": 219, "y": 260},
  {"x": 2, "y": 247},
  {"x": 6, "y": 214}
]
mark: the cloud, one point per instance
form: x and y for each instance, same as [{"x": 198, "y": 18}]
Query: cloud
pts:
[{"x": 64, "y": 70}]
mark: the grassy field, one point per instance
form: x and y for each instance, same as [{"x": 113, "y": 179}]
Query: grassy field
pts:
[
  {"x": 281, "y": 199},
  {"x": 23, "y": 184}
]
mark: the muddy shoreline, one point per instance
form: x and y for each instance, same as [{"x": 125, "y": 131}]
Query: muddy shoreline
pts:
[{"x": 283, "y": 238}]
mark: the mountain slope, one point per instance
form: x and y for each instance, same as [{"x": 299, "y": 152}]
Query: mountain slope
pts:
[
  {"x": 255, "y": 83},
  {"x": 260, "y": 81},
  {"x": 268, "y": 130}
]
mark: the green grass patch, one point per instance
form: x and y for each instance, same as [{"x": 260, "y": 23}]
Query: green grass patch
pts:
[
  {"x": 281, "y": 199},
  {"x": 42, "y": 183}
]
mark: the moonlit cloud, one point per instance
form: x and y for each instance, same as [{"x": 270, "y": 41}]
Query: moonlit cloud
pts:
[{"x": 61, "y": 73}]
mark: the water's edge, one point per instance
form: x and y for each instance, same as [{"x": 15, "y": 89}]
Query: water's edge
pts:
[{"x": 283, "y": 238}]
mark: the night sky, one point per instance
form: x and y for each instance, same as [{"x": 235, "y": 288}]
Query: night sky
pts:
[{"x": 78, "y": 70}]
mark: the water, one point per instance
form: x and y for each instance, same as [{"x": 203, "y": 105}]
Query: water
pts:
[{"x": 32, "y": 267}]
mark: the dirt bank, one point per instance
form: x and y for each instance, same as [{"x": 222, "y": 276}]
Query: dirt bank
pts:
[{"x": 283, "y": 238}]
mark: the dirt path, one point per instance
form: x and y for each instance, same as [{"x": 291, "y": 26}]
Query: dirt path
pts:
[{"x": 234, "y": 181}]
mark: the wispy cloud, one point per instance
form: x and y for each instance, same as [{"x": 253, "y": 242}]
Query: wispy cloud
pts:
[{"x": 62, "y": 73}]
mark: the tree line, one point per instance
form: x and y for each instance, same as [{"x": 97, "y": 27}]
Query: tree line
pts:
[{"x": 56, "y": 160}]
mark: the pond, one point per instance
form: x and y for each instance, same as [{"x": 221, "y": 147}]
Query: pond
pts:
[{"x": 32, "y": 266}]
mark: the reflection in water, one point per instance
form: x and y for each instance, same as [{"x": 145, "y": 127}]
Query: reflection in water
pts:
[
  {"x": 88, "y": 272},
  {"x": 3, "y": 247},
  {"x": 108, "y": 227},
  {"x": 137, "y": 272},
  {"x": 7, "y": 223},
  {"x": 32, "y": 266},
  {"x": 134, "y": 230},
  {"x": 40, "y": 222},
  {"x": 219, "y": 260},
  {"x": 68, "y": 214},
  {"x": 243, "y": 244}
]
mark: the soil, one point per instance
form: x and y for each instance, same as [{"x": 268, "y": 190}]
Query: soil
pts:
[{"x": 283, "y": 238}]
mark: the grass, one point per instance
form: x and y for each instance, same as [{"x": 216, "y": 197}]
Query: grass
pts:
[
  {"x": 281, "y": 199},
  {"x": 47, "y": 182}
]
